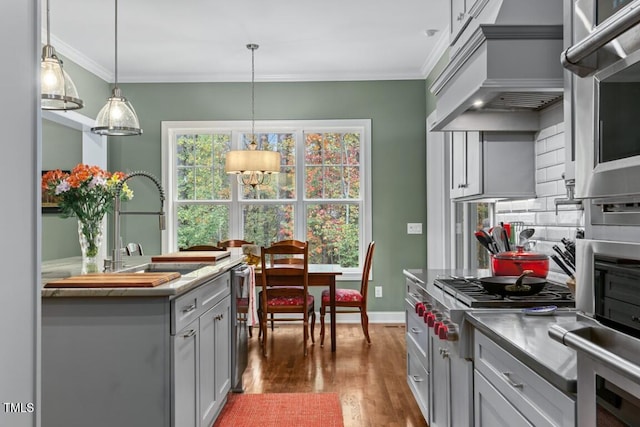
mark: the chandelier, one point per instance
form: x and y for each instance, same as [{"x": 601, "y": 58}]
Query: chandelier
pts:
[{"x": 253, "y": 167}]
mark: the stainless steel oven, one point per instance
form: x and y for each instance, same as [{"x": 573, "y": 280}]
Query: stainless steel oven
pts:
[
  {"x": 606, "y": 106},
  {"x": 607, "y": 335}
]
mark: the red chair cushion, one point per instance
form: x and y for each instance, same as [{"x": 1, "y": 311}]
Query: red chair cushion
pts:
[
  {"x": 343, "y": 295},
  {"x": 289, "y": 300}
]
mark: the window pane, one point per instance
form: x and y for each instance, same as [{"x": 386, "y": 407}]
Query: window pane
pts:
[
  {"x": 332, "y": 165},
  {"x": 333, "y": 234},
  {"x": 202, "y": 224},
  {"x": 200, "y": 167},
  {"x": 265, "y": 224},
  {"x": 282, "y": 185}
]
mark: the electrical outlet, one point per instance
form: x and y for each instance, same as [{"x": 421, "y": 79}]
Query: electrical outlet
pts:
[
  {"x": 414, "y": 228},
  {"x": 378, "y": 291}
]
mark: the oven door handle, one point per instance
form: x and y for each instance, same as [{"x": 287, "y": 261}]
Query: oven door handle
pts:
[{"x": 574, "y": 339}]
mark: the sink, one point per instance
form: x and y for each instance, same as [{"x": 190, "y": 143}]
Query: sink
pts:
[{"x": 160, "y": 267}]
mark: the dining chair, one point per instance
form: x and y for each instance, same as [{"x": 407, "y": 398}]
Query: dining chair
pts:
[
  {"x": 203, "y": 248},
  {"x": 278, "y": 296},
  {"x": 233, "y": 243},
  {"x": 134, "y": 249},
  {"x": 351, "y": 300}
]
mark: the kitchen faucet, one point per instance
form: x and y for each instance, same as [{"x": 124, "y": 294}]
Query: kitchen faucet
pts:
[{"x": 116, "y": 262}]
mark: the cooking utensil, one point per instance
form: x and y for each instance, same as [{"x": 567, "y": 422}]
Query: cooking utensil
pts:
[
  {"x": 525, "y": 235},
  {"x": 513, "y": 285},
  {"x": 485, "y": 240},
  {"x": 513, "y": 263},
  {"x": 492, "y": 243},
  {"x": 505, "y": 239},
  {"x": 563, "y": 266},
  {"x": 497, "y": 234}
]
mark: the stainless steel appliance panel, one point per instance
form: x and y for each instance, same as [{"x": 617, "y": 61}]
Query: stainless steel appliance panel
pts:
[{"x": 240, "y": 281}]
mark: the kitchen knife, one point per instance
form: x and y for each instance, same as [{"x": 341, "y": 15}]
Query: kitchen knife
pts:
[
  {"x": 562, "y": 266},
  {"x": 564, "y": 257},
  {"x": 505, "y": 239}
]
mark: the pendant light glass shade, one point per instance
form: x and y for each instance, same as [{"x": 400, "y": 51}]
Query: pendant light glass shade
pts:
[
  {"x": 57, "y": 90},
  {"x": 253, "y": 167},
  {"x": 117, "y": 117}
]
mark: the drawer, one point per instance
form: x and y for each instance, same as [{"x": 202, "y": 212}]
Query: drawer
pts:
[
  {"x": 417, "y": 330},
  {"x": 194, "y": 303},
  {"x": 537, "y": 399},
  {"x": 418, "y": 379}
]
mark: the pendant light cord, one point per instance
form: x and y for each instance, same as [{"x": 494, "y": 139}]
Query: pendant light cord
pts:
[
  {"x": 116, "y": 49},
  {"x": 48, "y": 26},
  {"x": 253, "y": 48}
]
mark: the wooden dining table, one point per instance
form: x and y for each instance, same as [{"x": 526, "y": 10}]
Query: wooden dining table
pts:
[{"x": 323, "y": 275}]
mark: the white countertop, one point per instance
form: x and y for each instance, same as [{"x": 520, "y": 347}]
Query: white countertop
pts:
[{"x": 67, "y": 267}]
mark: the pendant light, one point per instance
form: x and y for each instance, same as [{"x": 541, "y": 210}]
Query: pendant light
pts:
[
  {"x": 117, "y": 117},
  {"x": 253, "y": 167},
  {"x": 57, "y": 91}
]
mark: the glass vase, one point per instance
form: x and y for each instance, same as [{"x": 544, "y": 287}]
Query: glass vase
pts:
[{"x": 90, "y": 236}]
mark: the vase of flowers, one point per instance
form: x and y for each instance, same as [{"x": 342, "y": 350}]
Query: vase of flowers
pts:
[{"x": 87, "y": 193}]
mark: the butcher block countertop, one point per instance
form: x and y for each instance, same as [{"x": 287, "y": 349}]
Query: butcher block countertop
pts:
[
  {"x": 66, "y": 268},
  {"x": 191, "y": 256}
]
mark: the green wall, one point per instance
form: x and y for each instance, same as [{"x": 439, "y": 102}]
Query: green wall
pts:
[{"x": 397, "y": 110}]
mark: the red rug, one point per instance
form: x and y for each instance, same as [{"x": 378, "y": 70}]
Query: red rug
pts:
[{"x": 281, "y": 410}]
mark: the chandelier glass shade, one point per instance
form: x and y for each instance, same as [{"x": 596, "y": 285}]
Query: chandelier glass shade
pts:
[
  {"x": 253, "y": 167},
  {"x": 117, "y": 117},
  {"x": 57, "y": 90}
]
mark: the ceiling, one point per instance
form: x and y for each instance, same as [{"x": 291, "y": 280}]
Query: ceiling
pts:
[{"x": 205, "y": 40}]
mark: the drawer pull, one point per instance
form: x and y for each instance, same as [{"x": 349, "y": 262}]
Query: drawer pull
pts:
[
  {"x": 512, "y": 383},
  {"x": 219, "y": 317},
  {"x": 416, "y": 379},
  {"x": 189, "y": 334},
  {"x": 415, "y": 330},
  {"x": 189, "y": 308}
]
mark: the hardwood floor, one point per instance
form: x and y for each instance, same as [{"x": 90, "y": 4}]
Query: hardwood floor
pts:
[{"x": 371, "y": 380}]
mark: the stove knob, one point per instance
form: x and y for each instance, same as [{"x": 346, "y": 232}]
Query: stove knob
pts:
[
  {"x": 426, "y": 315},
  {"x": 419, "y": 308},
  {"x": 431, "y": 319},
  {"x": 442, "y": 332},
  {"x": 436, "y": 327}
]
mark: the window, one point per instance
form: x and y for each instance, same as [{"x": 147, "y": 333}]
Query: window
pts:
[{"x": 322, "y": 193}]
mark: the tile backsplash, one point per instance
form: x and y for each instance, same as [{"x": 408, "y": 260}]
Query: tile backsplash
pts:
[{"x": 540, "y": 213}]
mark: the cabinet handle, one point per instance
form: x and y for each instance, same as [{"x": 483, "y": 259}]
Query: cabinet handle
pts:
[
  {"x": 189, "y": 334},
  {"x": 512, "y": 383},
  {"x": 460, "y": 16},
  {"x": 445, "y": 353},
  {"x": 219, "y": 317},
  {"x": 635, "y": 319},
  {"x": 415, "y": 330},
  {"x": 189, "y": 308},
  {"x": 416, "y": 379}
]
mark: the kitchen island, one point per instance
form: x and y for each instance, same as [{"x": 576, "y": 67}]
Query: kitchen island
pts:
[{"x": 132, "y": 356}]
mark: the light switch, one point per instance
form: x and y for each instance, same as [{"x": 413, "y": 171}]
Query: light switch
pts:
[{"x": 414, "y": 228}]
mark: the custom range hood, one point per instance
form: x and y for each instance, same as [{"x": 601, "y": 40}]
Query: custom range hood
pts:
[{"x": 504, "y": 68}]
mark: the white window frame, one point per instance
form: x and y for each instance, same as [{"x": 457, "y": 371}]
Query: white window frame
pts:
[{"x": 298, "y": 127}]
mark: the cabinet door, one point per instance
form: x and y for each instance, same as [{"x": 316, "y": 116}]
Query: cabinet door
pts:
[
  {"x": 440, "y": 382},
  {"x": 215, "y": 367},
  {"x": 459, "y": 19},
  {"x": 466, "y": 164},
  {"x": 185, "y": 376},
  {"x": 474, "y": 164},
  {"x": 491, "y": 407},
  {"x": 458, "y": 159}
]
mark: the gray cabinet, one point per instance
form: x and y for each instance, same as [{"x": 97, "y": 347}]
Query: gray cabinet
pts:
[
  {"x": 489, "y": 166},
  {"x": 214, "y": 360},
  {"x": 143, "y": 361},
  {"x": 509, "y": 393},
  {"x": 466, "y": 178}
]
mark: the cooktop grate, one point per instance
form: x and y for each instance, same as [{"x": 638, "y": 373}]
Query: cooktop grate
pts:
[{"x": 471, "y": 293}]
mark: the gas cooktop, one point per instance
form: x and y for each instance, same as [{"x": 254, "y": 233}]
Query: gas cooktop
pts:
[{"x": 471, "y": 293}]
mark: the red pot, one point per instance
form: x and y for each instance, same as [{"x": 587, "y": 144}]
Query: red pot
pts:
[{"x": 513, "y": 263}]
